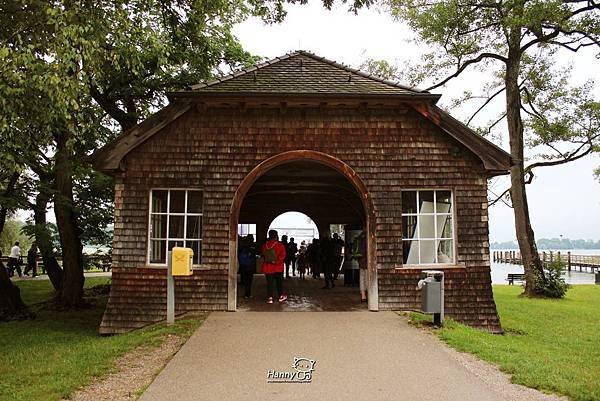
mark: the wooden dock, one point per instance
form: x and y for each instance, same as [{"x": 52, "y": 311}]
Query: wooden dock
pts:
[{"x": 585, "y": 263}]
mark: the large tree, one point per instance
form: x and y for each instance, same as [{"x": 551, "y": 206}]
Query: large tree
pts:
[
  {"x": 515, "y": 44},
  {"x": 75, "y": 74}
]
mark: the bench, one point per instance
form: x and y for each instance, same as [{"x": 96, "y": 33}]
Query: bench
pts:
[{"x": 512, "y": 277}]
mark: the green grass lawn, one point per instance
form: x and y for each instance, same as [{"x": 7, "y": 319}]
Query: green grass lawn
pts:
[
  {"x": 551, "y": 345},
  {"x": 46, "y": 359}
]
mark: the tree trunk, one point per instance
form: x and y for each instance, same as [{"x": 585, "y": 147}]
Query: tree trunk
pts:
[
  {"x": 525, "y": 237},
  {"x": 43, "y": 240},
  {"x": 11, "y": 303},
  {"x": 64, "y": 210}
]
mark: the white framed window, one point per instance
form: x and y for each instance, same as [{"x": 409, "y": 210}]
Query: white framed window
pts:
[
  {"x": 175, "y": 220},
  {"x": 428, "y": 227}
]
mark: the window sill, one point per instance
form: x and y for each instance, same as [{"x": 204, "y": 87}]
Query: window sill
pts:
[{"x": 431, "y": 267}]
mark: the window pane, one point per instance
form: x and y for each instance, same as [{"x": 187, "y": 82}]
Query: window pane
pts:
[
  {"x": 158, "y": 226},
  {"x": 426, "y": 229},
  {"x": 409, "y": 227},
  {"x": 445, "y": 251},
  {"x": 159, "y": 201},
  {"x": 177, "y": 202},
  {"x": 425, "y": 201},
  {"x": 194, "y": 202},
  {"x": 175, "y": 226},
  {"x": 157, "y": 252},
  {"x": 443, "y": 202},
  {"x": 409, "y": 202},
  {"x": 444, "y": 226},
  {"x": 194, "y": 227},
  {"x": 410, "y": 252},
  {"x": 174, "y": 244},
  {"x": 197, "y": 248},
  {"x": 427, "y": 250}
]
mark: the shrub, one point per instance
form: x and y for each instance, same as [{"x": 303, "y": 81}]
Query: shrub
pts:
[{"x": 551, "y": 283}]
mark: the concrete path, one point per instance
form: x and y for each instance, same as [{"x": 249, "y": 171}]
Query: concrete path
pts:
[{"x": 359, "y": 356}]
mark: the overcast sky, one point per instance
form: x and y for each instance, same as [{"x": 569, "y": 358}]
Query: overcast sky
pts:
[{"x": 563, "y": 200}]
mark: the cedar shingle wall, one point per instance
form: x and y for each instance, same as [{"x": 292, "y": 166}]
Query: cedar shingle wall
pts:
[{"x": 390, "y": 150}]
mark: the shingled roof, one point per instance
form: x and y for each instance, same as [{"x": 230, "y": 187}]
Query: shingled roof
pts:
[
  {"x": 301, "y": 72},
  {"x": 303, "y": 75}
]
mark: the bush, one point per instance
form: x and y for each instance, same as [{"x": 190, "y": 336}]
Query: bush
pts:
[{"x": 551, "y": 283}]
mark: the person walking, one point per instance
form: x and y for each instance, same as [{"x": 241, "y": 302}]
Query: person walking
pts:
[
  {"x": 14, "y": 260},
  {"x": 290, "y": 257},
  {"x": 31, "y": 261},
  {"x": 338, "y": 246},
  {"x": 247, "y": 263},
  {"x": 273, "y": 253},
  {"x": 302, "y": 260}
]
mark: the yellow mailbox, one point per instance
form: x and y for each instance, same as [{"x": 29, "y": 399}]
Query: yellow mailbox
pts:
[{"x": 181, "y": 261}]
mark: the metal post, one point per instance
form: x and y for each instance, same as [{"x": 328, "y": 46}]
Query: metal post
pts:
[
  {"x": 569, "y": 260},
  {"x": 170, "y": 291},
  {"x": 438, "y": 318}
]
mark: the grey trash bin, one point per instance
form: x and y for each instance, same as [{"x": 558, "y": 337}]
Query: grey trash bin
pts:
[{"x": 432, "y": 294}]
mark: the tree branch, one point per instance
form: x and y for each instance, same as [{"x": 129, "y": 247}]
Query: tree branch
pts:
[
  {"x": 460, "y": 69},
  {"x": 489, "y": 99}
]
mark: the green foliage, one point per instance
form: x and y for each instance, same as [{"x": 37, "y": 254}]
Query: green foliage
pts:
[
  {"x": 85, "y": 71},
  {"x": 549, "y": 344},
  {"x": 551, "y": 283},
  {"x": 553, "y": 244},
  {"x": 380, "y": 68},
  {"x": 48, "y": 358},
  {"x": 13, "y": 231},
  {"x": 561, "y": 120}
]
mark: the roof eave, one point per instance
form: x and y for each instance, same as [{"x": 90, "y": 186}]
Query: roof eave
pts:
[{"x": 416, "y": 97}]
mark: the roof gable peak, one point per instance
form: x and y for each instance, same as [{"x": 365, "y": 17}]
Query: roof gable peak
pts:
[{"x": 323, "y": 76}]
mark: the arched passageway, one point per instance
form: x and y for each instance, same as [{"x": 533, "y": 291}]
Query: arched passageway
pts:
[{"x": 311, "y": 183}]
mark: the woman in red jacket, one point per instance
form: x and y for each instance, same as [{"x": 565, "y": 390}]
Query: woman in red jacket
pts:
[{"x": 273, "y": 253}]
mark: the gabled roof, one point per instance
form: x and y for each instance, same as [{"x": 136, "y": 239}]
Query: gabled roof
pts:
[
  {"x": 304, "y": 75},
  {"x": 302, "y": 72}
]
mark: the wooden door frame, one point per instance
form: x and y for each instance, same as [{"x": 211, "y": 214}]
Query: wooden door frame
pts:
[{"x": 284, "y": 158}]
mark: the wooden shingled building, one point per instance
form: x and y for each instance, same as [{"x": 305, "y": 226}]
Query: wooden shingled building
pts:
[{"x": 300, "y": 133}]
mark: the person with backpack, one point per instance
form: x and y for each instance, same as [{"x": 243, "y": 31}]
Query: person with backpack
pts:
[
  {"x": 273, "y": 253},
  {"x": 247, "y": 263}
]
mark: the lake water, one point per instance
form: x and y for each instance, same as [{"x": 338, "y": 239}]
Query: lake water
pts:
[{"x": 500, "y": 270}]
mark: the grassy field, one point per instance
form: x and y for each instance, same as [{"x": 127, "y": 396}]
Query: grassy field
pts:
[
  {"x": 551, "y": 345},
  {"x": 47, "y": 358}
]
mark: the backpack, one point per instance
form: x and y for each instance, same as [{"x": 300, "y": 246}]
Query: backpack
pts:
[
  {"x": 245, "y": 257},
  {"x": 270, "y": 255}
]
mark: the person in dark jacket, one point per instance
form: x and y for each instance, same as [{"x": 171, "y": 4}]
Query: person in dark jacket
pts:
[
  {"x": 328, "y": 261},
  {"x": 247, "y": 263},
  {"x": 290, "y": 257},
  {"x": 273, "y": 253},
  {"x": 31, "y": 261}
]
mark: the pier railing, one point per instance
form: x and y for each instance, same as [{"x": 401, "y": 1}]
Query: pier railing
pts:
[{"x": 585, "y": 263}]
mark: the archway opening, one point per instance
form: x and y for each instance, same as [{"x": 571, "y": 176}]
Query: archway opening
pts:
[
  {"x": 295, "y": 225},
  {"x": 286, "y": 197}
]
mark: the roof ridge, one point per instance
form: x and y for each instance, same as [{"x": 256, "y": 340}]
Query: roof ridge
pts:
[{"x": 307, "y": 53}]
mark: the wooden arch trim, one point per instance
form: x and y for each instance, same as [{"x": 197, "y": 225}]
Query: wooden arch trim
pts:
[{"x": 329, "y": 161}]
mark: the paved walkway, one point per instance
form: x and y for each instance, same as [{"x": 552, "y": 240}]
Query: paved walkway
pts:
[{"x": 362, "y": 356}]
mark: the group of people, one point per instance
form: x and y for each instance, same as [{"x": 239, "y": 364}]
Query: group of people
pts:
[
  {"x": 15, "y": 260},
  {"x": 276, "y": 258}
]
